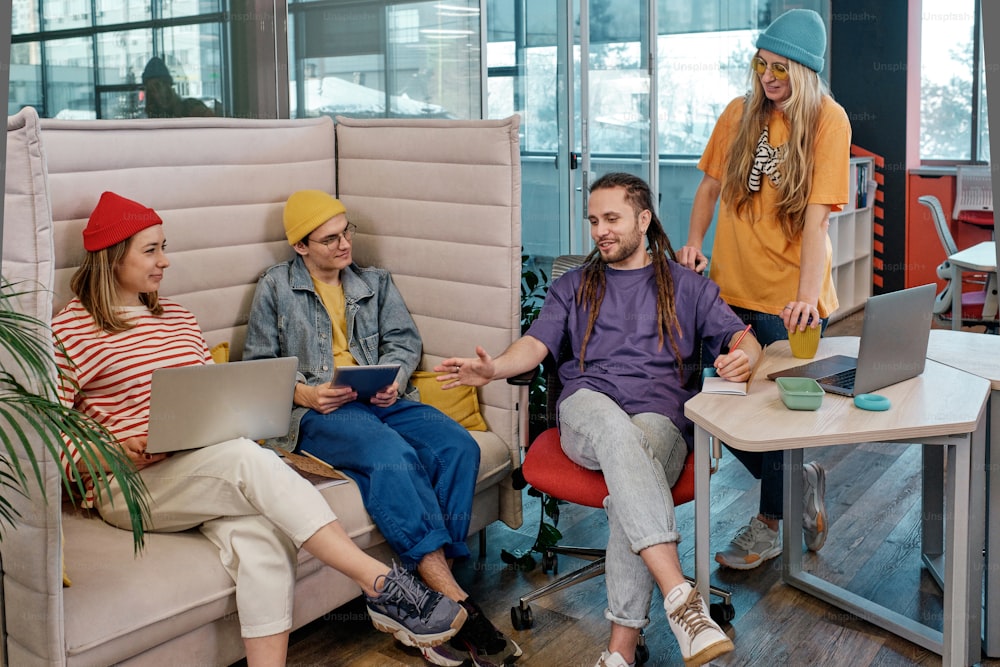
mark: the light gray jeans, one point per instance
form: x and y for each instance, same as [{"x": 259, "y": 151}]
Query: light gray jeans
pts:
[
  {"x": 641, "y": 456},
  {"x": 251, "y": 505}
]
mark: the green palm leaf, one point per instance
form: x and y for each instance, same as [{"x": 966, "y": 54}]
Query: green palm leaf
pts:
[{"x": 30, "y": 412}]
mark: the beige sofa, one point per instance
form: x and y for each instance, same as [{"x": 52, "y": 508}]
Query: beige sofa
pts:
[{"x": 437, "y": 202}]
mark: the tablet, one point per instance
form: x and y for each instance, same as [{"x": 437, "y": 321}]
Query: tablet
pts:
[{"x": 366, "y": 380}]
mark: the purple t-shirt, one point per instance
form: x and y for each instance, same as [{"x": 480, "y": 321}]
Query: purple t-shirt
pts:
[{"x": 624, "y": 359}]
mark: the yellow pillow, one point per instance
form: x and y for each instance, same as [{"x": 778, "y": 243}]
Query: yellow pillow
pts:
[
  {"x": 460, "y": 403},
  {"x": 220, "y": 353},
  {"x": 62, "y": 559}
]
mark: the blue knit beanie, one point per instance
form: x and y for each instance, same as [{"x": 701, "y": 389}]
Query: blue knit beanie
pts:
[{"x": 799, "y": 35}]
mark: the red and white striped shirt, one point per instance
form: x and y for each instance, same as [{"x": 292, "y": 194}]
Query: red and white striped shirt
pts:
[{"x": 108, "y": 375}]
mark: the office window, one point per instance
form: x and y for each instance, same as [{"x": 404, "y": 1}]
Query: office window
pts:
[
  {"x": 703, "y": 50},
  {"x": 953, "y": 115},
  {"x": 84, "y": 59},
  {"x": 384, "y": 59}
]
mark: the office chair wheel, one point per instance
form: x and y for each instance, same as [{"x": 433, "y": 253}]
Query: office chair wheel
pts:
[
  {"x": 722, "y": 612},
  {"x": 520, "y": 618},
  {"x": 550, "y": 562}
]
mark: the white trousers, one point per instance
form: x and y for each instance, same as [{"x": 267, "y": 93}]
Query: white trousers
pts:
[{"x": 251, "y": 505}]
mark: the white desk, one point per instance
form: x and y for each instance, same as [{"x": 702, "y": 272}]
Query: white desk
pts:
[
  {"x": 942, "y": 407},
  {"x": 980, "y": 257},
  {"x": 979, "y": 354}
]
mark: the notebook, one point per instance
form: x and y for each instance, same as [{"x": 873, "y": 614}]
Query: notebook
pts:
[
  {"x": 893, "y": 346},
  {"x": 196, "y": 406}
]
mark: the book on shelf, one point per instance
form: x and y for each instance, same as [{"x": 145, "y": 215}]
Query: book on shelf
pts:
[{"x": 860, "y": 185}]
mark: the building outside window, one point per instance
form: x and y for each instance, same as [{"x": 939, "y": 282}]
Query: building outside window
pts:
[{"x": 953, "y": 119}]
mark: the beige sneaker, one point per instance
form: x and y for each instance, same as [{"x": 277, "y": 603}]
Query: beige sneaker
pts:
[
  {"x": 699, "y": 637},
  {"x": 612, "y": 660}
]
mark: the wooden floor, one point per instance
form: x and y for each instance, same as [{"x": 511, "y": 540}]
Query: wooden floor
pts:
[{"x": 873, "y": 501}]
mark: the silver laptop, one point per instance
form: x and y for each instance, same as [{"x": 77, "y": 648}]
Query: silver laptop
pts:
[
  {"x": 893, "y": 346},
  {"x": 197, "y": 406}
]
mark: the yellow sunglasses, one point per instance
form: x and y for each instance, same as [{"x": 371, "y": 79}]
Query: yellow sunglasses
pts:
[{"x": 779, "y": 71}]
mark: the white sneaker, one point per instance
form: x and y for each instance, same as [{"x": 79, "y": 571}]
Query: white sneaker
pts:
[
  {"x": 697, "y": 634},
  {"x": 752, "y": 545},
  {"x": 613, "y": 660},
  {"x": 814, "y": 505}
]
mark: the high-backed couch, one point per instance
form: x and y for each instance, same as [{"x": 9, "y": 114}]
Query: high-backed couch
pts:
[{"x": 436, "y": 202}]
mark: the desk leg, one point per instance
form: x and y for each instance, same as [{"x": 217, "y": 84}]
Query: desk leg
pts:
[
  {"x": 791, "y": 520},
  {"x": 963, "y": 561},
  {"x": 932, "y": 507},
  {"x": 990, "y": 306},
  {"x": 991, "y": 611},
  {"x": 956, "y": 297},
  {"x": 702, "y": 510}
]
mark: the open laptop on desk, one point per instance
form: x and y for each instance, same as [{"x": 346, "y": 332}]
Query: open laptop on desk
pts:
[
  {"x": 197, "y": 406},
  {"x": 893, "y": 346}
]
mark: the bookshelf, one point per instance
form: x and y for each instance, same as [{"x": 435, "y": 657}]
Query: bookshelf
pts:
[{"x": 851, "y": 234}]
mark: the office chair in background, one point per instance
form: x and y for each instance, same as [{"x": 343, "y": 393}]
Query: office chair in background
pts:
[
  {"x": 979, "y": 307},
  {"x": 548, "y": 470}
]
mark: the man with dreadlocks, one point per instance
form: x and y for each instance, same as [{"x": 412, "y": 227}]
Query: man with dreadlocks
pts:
[{"x": 637, "y": 324}]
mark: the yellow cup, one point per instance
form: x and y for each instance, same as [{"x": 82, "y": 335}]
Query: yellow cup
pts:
[{"x": 804, "y": 343}]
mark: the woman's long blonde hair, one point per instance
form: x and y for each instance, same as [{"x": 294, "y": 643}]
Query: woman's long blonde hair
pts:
[
  {"x": 95, "y": 285},
  {"x": 802, "y": 111}
]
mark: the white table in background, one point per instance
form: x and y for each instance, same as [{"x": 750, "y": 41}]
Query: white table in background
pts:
[{"x": 981, "y": 257}]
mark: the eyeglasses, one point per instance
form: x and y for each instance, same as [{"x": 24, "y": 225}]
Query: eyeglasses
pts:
[
  {"x": 779, "y": 71},
  {"x": 334, "y": 240}
]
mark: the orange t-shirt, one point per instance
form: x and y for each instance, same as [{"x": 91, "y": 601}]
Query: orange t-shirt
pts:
[{"x": 755, "y": 266}]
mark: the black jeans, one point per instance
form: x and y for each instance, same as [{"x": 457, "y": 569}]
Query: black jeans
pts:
[{"x": 768, "y": 467}]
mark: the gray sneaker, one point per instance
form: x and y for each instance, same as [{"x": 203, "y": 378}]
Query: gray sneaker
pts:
[
  {"x": 814, "y": 505},
  {"x": 411, "y": 612},
  {"x": 752, "y": 545}
]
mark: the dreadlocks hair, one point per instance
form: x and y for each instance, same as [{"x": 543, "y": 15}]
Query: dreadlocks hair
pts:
[{"x": 590, "y": 294}]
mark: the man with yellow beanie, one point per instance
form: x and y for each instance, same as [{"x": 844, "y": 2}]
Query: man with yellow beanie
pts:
[{"x": 415, "y": 467}]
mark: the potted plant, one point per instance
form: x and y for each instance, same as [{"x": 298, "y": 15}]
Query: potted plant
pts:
[
  {"x": 31, "y": 413},
  {"x": 534, "y": 286}
]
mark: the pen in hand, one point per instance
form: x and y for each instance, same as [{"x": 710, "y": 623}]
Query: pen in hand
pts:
[{"x": 740, "y": 338}]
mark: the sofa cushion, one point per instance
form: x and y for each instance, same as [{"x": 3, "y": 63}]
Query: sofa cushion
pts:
[{"x": 460, "y": 403}]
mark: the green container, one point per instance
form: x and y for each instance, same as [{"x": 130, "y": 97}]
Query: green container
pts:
[{"x": 800, "y": 393}]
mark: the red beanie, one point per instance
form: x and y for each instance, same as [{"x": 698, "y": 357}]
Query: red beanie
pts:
[{"x": 115, "y": 219}]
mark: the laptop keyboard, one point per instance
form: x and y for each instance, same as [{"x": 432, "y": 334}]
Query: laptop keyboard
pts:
[{"x": 844, "y": 379}]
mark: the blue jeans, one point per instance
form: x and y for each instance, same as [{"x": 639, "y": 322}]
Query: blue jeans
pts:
[
  {"x": 768, "y": 467},
  {"x": 641, "y": 456},
  {"x": 416, "y": 469}
]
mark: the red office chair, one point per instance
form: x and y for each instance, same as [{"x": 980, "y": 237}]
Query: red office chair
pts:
[
  {"x": 548, "y": 470},
  {"x": 978, "y": 306}
]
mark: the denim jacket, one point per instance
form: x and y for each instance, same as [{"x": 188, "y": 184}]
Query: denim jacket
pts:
[{"x": 288, "y": 318}]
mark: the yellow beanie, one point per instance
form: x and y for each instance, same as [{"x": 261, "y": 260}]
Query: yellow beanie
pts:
[{"x": 306, "y": 210}]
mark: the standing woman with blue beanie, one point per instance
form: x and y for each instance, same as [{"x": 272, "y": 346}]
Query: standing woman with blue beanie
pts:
[{"x": 779, "y": 159}]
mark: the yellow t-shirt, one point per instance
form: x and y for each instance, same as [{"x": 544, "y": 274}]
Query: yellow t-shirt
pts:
[
  {"x": 755, "y": 266},
  {"x": 332, "y": 297}
]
